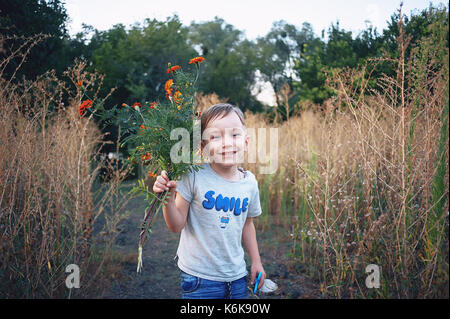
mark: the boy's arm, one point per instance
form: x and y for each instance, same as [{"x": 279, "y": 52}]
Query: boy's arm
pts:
[
  {"x": 250, "y": 243},
  {"x": 176, "y": 210}
]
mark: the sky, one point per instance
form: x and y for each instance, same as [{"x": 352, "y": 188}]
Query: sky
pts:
[{"x": 254, "y": 17}]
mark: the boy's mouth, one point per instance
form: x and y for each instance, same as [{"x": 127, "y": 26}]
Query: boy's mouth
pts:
[{"x": 228, "y": 153}]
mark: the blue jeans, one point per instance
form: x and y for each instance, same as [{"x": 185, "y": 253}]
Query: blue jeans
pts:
[{"x": 193, "y": 287}]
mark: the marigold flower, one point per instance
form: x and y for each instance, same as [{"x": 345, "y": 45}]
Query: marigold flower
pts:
[
  {"x": 197, "y": 60},
  {"x": 168, "y": 87},
  {"x": 136, "y": 105},
  {"x": 142, "y": 127},
  {"x": 177, "y": 96},
  {"x": 173, "y": 69},
  {"x": 146, "y": 157},
  {"x": 85, "y": 105},
  {"x": 168, "y": 84}
]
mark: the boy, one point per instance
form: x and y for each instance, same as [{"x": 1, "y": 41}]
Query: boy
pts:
[{"x": 214, "y": 210}]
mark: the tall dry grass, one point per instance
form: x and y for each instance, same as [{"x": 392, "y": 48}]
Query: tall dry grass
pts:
[
  {"x": 52, "y": 209},
  {"x": 366, "y": 182}
]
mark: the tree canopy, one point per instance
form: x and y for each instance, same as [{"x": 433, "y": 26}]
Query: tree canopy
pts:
[{"x": 133, "y": 59}]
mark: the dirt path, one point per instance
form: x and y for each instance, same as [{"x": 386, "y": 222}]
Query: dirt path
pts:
[{"x": 160, "y": 276}]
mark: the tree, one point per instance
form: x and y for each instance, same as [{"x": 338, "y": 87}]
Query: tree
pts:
[
  {"x": 230, "y": 66},
  {"x": 416, "y": 28},
  {"x": 135, "y": 61},
  {"x": 30, "y": 17},
  {"x": 321, "y": 58},
  {"x": 278, "y": 51}
]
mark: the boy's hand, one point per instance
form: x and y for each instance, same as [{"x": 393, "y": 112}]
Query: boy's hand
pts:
[
  {"x": 257, "y": 267},
  {"x": 163, "y": 183}
]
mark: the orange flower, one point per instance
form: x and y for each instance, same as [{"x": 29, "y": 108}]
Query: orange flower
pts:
[
  {"x": 177, "y": 96},
  {"x": 85, "y": 105},
  {"x": 197, "y": 60},
  {"x": 172, "y": 69},
  {"x": 150, "y": 174},
  {"x": 142, "y": 127},
  {"x": 168, "y": 84},
  {"x": 80, "y": 83},
  {"x": 152, "y": 105},
  {"x": 136, "y": 105},
  {"x": 168, "y": 88},
  {"x": 146, "y": 157},
  {"x": 124, "y": 104}
]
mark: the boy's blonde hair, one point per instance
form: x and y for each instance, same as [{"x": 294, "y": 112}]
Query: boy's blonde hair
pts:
[{"x": 220, "y": 109}]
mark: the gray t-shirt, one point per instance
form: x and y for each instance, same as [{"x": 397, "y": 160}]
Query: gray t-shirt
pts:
[{"x": 210, "y": 243}]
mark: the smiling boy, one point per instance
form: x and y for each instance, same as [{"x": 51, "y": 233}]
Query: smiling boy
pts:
[{"x": 214, "y": 210}]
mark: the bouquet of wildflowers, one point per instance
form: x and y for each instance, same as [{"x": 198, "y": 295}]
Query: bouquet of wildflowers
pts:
[{"x": 149, "y": 128}]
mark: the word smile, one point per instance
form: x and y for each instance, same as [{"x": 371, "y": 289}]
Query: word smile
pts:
[{"x": 225, "y": 203}]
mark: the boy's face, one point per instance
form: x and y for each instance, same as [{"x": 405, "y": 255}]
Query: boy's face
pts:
[{"x": 225, "y": 140}]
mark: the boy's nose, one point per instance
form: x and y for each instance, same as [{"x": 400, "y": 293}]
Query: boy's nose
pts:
[{"x": 227, "y": 142}]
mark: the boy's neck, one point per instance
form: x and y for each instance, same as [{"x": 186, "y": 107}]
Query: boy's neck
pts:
[{"x": 228, "y": 172}]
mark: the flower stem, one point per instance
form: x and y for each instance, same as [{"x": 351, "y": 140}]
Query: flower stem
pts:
[{"x": 146, "y": 224}]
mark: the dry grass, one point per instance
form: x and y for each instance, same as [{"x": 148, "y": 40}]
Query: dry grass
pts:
[
  {"x": 362, "y": 181},
  {"x": 204, "y": 101},
  {"x": 49, "y": 202},
  {"x": 366, "y": 182}
]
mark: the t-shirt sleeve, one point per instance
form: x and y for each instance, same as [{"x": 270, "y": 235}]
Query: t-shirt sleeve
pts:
[
  {"x": 254, "y": 207},
  {"x": 185, "y": 186}
]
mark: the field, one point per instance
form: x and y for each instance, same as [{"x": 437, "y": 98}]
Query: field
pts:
[{"x": 361, "y": 180}]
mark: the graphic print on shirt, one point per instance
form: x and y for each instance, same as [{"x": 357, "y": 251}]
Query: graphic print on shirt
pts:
[{"x": 224, "y": 206}]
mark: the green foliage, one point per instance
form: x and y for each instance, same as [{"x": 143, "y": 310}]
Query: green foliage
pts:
[
  {"x": 231, "y": 68},
  {"x": 321, "y": 58},
  {"x": 416, "y": 26},
  {"x": 148, "y": 126},
  {"x": 27, "y": 18},
  {"x": 278, "y": 51},
  {"x": 132, "y": 59},
  {"x": 310, "y": 69}
]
